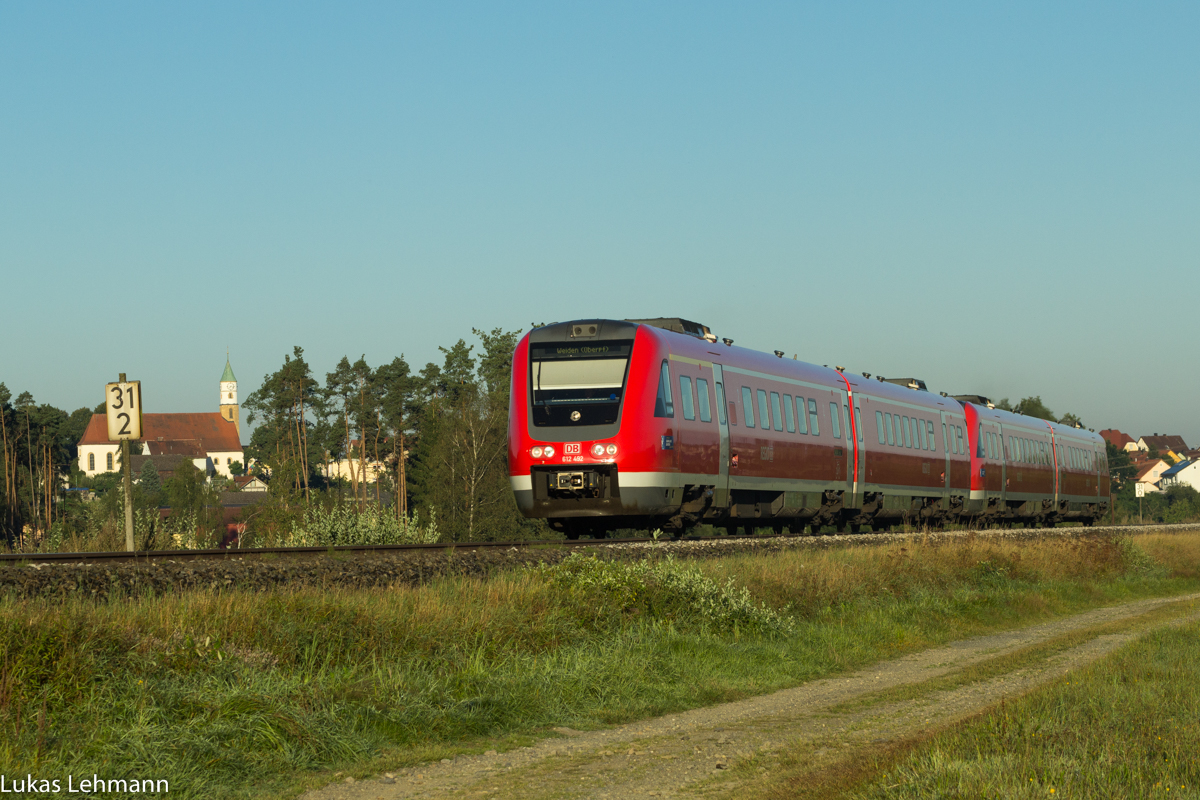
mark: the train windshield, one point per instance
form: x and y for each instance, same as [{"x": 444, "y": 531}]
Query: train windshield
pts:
[{"x": 576, "y": 384}]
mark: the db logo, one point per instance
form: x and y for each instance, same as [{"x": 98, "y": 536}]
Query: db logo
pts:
[{"x": 571, "y": 449}]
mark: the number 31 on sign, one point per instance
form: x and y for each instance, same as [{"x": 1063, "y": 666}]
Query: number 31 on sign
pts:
[{"x": 123, "y": 402}]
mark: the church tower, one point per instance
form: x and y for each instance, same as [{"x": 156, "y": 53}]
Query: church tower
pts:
[{"x": 229, "y": 401}]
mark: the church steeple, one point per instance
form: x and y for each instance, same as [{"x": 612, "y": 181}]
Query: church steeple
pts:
[{"x": 229, "y": 400}]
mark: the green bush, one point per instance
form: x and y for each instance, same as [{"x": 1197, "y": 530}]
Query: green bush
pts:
[{"x": 664, "y": 590}]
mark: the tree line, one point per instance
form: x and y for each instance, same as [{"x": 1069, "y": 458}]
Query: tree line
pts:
[
  {"x": 37, "y": 451},
  {"x": 432, "y": 440}
]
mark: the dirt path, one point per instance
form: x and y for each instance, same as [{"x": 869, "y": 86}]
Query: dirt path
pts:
[{"x": 710, "y": 752}]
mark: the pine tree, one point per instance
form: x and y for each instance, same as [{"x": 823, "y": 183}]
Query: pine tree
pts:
[{"x": 148, "y": 478}]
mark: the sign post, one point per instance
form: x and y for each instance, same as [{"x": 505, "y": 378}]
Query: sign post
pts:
[
  {"x": 1140, "y": 491},
  {"x": 123, "y": 407}
]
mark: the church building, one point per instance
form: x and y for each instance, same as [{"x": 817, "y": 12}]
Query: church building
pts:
[{"x": 212, "y": 440}]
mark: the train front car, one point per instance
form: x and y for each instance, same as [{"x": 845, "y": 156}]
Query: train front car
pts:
[{"x": 591, "y": 437}]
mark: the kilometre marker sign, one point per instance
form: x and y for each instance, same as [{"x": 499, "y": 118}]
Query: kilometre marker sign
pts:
[{"x": 123, "y": 403}]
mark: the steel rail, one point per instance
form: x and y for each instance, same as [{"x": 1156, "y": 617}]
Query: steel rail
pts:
[{"x": 251, "y": 552}]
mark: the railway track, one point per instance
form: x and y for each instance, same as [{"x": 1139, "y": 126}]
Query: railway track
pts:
[{"x": 116, "y": 557}]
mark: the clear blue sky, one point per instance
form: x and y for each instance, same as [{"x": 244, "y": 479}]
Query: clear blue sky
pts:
[{"x": 998, "y": 198}]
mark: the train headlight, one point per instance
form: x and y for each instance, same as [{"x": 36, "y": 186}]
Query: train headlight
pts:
[
  {"x": 548, "y": 451},
  {"x": 597, "y": 450},
  {"x": 611, "y": 449},
  {"x": 536, "y": 452}
]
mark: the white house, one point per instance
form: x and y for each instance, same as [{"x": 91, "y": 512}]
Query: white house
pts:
[
  {"x": 1184, "y": 474},
  {"x": 206, "y": 437}
]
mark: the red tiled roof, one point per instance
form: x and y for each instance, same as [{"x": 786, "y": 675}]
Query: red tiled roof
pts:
[
  {"x": 1116, "y": 438},
  {"x": 211, "y": 432}
]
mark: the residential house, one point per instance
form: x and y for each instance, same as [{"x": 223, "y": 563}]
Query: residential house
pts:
[
  {"x": 1151, "y": 473},
  {"x": 1121, "y": 441},
  {"x": 1172, "y": 446},
  {"x": 165, "y": 465},
  {"x": 1185, "y": 473}
]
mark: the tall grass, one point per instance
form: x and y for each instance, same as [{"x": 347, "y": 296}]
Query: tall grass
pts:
[
  {"x": 231, "y": 693},
  {"x": 1125, "y": 726}
]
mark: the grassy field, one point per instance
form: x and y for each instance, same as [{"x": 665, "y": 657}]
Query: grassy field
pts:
[
  {"x": 232, "y": 694},
  {"x": 1127, "y": 726}
]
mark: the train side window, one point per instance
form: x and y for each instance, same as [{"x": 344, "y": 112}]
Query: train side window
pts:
[
  {"x": 685, "y": 397},
  {"x": 813, "y": 422},
  {"x": 702, "y": 396},
  {"x": 834, "y": 422},
  {"x": 879, "y": 427},
  {"x": 904, "y": 430},
  {"x": 776, "y": 417},
  {"x": 789, "y": 413},
  {"x": 929, "y": 430},
  {"x": 801, "y": 416},
  {"x": 961, "y": 448},
  {"x": 721, "y": 403},
  {"x": 946, "y": 443},
  {"x": 850, "y": 426},
  {"x": 887, "y": 424},
  {"x": 858, "y": 421},
  {"x": 664, "y": 406},
  {"x": 912, "y": 428},
  {"x": 920, "y": 423},
  {"x": 748, "y": 406},
  {"x": 764, "y": 421}
]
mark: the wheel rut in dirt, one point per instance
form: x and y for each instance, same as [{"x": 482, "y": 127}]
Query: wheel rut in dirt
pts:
[{"x": 712, "y": 751}]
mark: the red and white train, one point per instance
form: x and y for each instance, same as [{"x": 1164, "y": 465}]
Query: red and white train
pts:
[{"x": 651, "y": 423}]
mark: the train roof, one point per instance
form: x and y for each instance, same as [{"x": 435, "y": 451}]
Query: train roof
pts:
[{"x": 696, "y": 340}]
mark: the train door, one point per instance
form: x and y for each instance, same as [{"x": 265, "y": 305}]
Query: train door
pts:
[
  {"x": 721, "y": 492},
  {"x": 947, "y": 421},
  {"x": 844, "y": 446},
  {"x": 1002, "y": 454},
  {"x": 1054, "y": 462}
]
